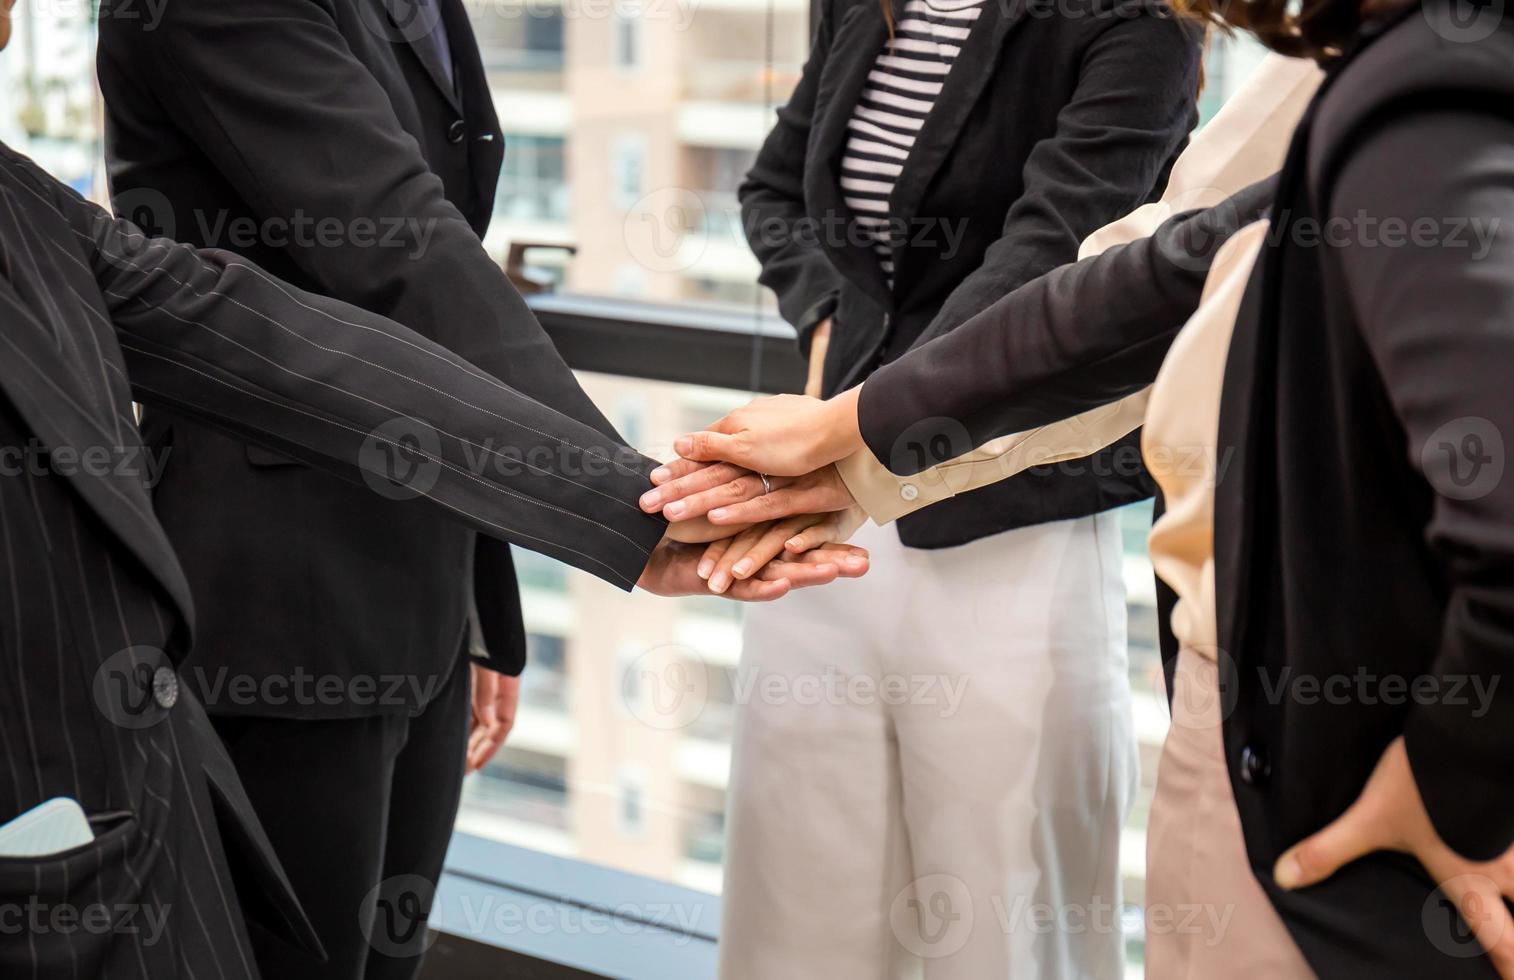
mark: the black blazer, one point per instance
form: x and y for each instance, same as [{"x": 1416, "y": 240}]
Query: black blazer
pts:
[
  {"x": 264, "y": 114},
  {"x": 1362, "y": 526},
  {"x": 97, "y": 612},
  {"x": 1364, "y": 532},
  {"x": 1052, "y": 122}
]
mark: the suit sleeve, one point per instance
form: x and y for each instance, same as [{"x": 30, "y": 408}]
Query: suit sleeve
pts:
[
  {"x": 270, "y": 91},
  {"x": 1133, "y": 106},
  {"x": 782, "y": 236},
  {"x": 1078, "y": 338},
  {"x": 1436, "y": 317},
  {"x": 215, "y": 337}
]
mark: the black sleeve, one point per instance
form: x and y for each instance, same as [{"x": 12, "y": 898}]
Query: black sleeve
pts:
[
  {"x": 213, "y": 336},
  {"x": 1134, "y": 105},
  {"x": 1081, "y": 336},
  {"x": 270, "y": 92},
  {"x": 1438, "y": 320},
  {"x": 782, "y": 237}
]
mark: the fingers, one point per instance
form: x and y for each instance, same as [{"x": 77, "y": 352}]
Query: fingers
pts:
[
  {"x": 755, "y": 590},
  {"x": 677, "y": 468},
  {"x": 711, "y": 446},
  {"x": 753, "y": 549},
  {"x": 685, "y": 477},
  {"x": 817, "y": 492},
  {"x": 712, "y": 554},
  {"x": 799, "y": 574},
  {"x": 781, "y": 503},
  {"x": 851, "y": 561},
  {"x": 741, "y": 488},
  {"x": 1354, "y": 834},
  {"x": 699, "y": 530}
]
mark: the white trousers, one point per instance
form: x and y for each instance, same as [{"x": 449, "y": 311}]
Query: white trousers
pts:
[{"x": 932, "y": 765}]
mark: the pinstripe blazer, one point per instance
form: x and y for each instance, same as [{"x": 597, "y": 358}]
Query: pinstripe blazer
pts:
[{"x": 95, "y": 613}]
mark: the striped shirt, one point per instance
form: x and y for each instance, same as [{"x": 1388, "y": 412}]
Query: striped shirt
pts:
[{"x": 902, "y": 86}]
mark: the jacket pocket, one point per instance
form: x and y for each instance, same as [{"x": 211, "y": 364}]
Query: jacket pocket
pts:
[{"x": 58, "y": 877}]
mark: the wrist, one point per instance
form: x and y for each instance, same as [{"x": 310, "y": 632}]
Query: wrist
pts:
[{"x": 841, "y": 435}]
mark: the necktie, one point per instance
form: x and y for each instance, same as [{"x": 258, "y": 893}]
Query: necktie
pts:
[{"x": 430, "y": 13}]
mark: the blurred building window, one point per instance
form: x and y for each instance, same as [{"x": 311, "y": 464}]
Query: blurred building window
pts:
[{"x": 533, "y": 184}]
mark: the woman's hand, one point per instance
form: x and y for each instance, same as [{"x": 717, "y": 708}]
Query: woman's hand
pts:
[
  {"x": 728, "y": 496},
  {"x": 785, "y": 435},
  {"x": 699, "y": 530},
  {"x": 673, "y": 571},
  {"x": 820, "y": 344},
  {"x": 1390, "y": 816},
  {"x": 816, "y": 536}
]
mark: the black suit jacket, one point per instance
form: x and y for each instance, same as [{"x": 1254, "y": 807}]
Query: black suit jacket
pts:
[
  {"x": 97, "y": 609},
  {"x": 283, "y": 115},
  {"x": 1362, "y": 528},
  {"x": 1054, "y": 121},
  {"x": 1364, "y": 532}
]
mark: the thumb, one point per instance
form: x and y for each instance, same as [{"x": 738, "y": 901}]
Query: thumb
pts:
[
  {"x": 1355, "y": 833},
  {"x": 708, "y": 446}
]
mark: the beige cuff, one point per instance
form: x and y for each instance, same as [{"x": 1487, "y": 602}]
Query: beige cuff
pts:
[{"x": 887, "y": 497}]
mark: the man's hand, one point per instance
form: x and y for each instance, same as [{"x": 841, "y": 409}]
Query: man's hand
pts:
[
  {"x": 674, "y": 571},
  {"x": 728, "y": 496},
  {"x": 1390, "y": 816},
  {"x": 496, "y": 697},
  {"x": 786, "y": 435}
]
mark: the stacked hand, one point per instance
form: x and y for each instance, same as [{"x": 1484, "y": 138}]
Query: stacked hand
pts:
[{"x": 760, "y": 484}]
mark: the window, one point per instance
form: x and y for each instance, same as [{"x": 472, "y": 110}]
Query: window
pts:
[
  {"x": 533, "y": 183},
  {"x": 628, "y": 168},
  {"x": 631, "y": 813},
  {"x": 627, "y": 35}
]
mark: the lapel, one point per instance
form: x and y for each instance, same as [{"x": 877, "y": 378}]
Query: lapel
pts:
[
  {"x": 486, "y": 144},
  {"x": 414, "y": 22},
  {"x": 1248, "y": 410},
  {"x": 57, "y": 406},
  {"x": 858, "y": 39},
  {"x": 964, "y": 85}
]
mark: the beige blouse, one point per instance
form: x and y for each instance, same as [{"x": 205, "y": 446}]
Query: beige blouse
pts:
[{"x": 1181, "y": 438}]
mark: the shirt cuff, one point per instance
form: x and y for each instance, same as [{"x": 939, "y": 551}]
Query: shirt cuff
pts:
[{"x": 886, "y": 497}]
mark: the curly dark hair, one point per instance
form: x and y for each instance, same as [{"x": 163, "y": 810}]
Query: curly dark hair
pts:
[{"x": 1318, "y": 29}]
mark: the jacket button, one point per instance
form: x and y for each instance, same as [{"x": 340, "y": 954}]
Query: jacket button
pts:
[
  {"x": 909, "y": 491},
  {"x": 165, "y": 687},
  {"x": 1254, "y": 767},
  {"x": 457, "y": 131}
]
